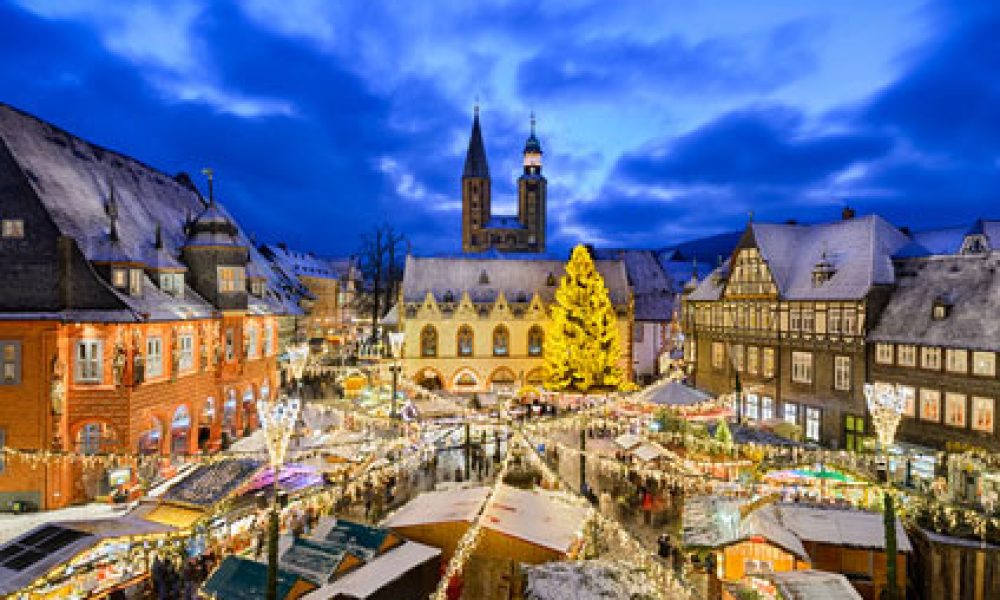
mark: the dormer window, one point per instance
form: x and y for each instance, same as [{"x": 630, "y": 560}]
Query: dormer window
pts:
[
  {"x": 135, "y": 282},
  {"x": 119, "y": 277},
  {"x": 172, "y": 283},
  {"x": 232, "y": 280},
  {"x": 484, "y": 279},
  {"x": 257, "y": 287},
  {"x": 940, "y": 310},
  {"x": 975, "y": 244},
  {"x": 13, "y": 229},
  {"x": 822, "y": 272}
]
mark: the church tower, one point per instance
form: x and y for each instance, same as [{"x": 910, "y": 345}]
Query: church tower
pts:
[
  {"x": 475, "y": 192},
  {"x": 531, "y": 188}
]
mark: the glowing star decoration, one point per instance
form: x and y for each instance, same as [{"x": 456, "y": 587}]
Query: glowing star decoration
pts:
[
  {"x": 886, "y": 404},
  {"x": 582, "y": 348},
  {"x": 278, "y": 419}
]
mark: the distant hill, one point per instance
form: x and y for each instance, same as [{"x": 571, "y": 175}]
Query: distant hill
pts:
[{"x": 706, "y": 249}]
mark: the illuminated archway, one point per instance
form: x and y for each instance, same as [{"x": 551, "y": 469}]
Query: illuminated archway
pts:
[{"x": 180, "y": 431}]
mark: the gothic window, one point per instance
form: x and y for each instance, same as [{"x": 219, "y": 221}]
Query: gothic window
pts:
[
  {"x": 428, "y": 341},
  {"x": 501, "y": 341},
  {"x": 465, "y": 341},
  {"x": 536, "y": 338}
]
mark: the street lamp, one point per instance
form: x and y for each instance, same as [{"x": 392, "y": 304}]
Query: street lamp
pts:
[
  {"x": 278, "y": 420},
  {"x": 396, "y": 339},
  {"x": 886, "y": 404}
]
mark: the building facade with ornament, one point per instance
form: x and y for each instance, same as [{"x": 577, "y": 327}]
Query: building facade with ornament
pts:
[
  {"x": 477, "y": 325},
  {"x": 138, "y": 324},
  {"x": 785, "y": 321}
]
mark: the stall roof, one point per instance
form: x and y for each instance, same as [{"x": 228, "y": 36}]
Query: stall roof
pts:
[
  {"x": 628, "y": 441},
  {"x": 539, "y": 517},
  {"x": 439, "y": 507},
  {"x": 238, "y": 578},
  {"x": 374, "y": 575},
  {"x": 675, "y": 393},
  {"x": 810, "y": 584},
  {"x": 648, "y": 451},
  {"x": 213, "y": 483},
  {"x": 840, "y": 527}
]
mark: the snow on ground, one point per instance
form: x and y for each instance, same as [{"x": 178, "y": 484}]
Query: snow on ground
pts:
[
  {"x": 12, "y": 526},
  {"x": 583, "y": 580}
]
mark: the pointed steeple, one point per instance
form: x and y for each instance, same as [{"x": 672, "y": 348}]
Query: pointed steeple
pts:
[
  {"x": 532, "y": 145},
  {"x": 475, "y": 158}
]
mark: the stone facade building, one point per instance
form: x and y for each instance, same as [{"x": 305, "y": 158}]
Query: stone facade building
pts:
[
  {"x": 786, "y": 318},
  {"x": 939, "y": 337},
  {"x": 135, "y": 317},
  {"x": 481, "y": 229},
  {"x": 478, "y": 324}
]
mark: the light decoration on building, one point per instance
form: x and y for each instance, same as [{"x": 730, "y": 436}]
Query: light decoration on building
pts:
[
  {"x": 886, "y": 404},
  {"x": 277, "y": 419}
]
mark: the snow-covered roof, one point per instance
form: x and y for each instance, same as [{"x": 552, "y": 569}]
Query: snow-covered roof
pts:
[
  {"x": 302, "y": 264},
  {"x": 649, "y": 451},
  {"x": 81, "y": 185},
  {"x": 810, "y": 584},
  {"x": 627, "y": 441},
  {"x": 485, "y": 278},
  {"x": 447, "y": 506},
  {"x": 674, "y": 393},
  {"x": 653, "y": 290},
  {"x": 366, "y": 580},
  {"x": 840, "y": 527},
  {"x": 949, "y": 240},
  {"x": 537, "y": 516},
  {"x": 859, "y": 249},
  {"x": 970, "y": 285},
  {"x": 583, "y": 580}
]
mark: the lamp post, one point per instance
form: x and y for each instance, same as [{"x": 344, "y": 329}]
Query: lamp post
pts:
[
  {"x": 278, "y": 420},
  {"x": 886, "y": 404},
  {"x": 396, "y": 339}
]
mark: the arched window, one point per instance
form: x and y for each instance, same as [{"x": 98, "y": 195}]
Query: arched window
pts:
[
  {"x": 428, "y": 341},
  {"x": 501, "y": 341},
  {"x": 535, "y": 339},
  {"x": 464, "y": 341},
  {"x": 149, "y": 441}
]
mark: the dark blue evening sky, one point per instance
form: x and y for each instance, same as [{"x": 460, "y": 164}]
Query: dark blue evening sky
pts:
[{"x": 661, "y": 121}]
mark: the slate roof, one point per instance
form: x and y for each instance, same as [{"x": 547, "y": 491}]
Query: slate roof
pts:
[
  {"x": 74, "y": 180},
  {"x": 652, "y": 288},
  {"x": 302, "y": 264},
  {"x": 970, "y": 284},
  {"x": 513, "y": 277},
  {"x": 860, "y": 250},
  {"x": 475, "y": 158},
  {"x": 949, "y": 240}
]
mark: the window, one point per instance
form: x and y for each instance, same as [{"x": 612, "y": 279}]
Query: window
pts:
[
  {"x": 909, "y": 395},
  {"x": 637, "y": 330},
  {"x": 464, "y": 341},
  {"x": 230, "y": 344},
  {"x": 13, "y": 228},
  {"x": 501, "y": 341},
  {"x": 752, "y": 407},
  {"x": 268, "y": 340},
  {"x": 808, "y": 320},
  {"x": 738, "y": 357},
  {"x": 954, "y": 409},
  {"x": 792, "y": 413},
  {"x": 718, "y": 355},
  {"x": 982, "y": 414},
  {"x": 766, "y": 407},
  {"x": 10, "y": 362},
  {"x": 795, "y": 320},
  {"x": 984, "y": 363},
  {"x": 854, "y": 433},
  {"x": 135, "y": 282},
  {"x": 802, "y": 367},
  {"x": 907, "y": 355},
  {"x": 428, "y": 341},
  {"x": 172, "y": 283},
  {"x": 87, "y": 368},
  {"x": 96, "y": 438},
  {"x": 154, "y": 356},
  {"x": 536, "y": 338},
  {"x": 751, "y": 275},
  {"x": 842, "y": 373},
  {"x": 883, "y": 354},
  {"x": 956, "y": 361},
  {"x": 251, "y": 341},
  {"x": 939, "y": 311},
  {"x": 850, "y": 322},
  {"x": 833, "y": 321},
  {"x": 753, "y": 359},
  {"x": 930, "y": 358},
  {"x": 689, "y": 351},
  {"x": 813, "y": 417},
  {"x": 930, "y": 405},
  {"x": 185, "y": 345},
  {"x": 768, "y": 370},
  {"x": 119, "y": 278},
  {"x": 231, "y": 279}
]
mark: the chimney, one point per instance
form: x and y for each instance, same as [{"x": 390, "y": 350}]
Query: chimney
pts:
[{"x": 847, "y": 214}]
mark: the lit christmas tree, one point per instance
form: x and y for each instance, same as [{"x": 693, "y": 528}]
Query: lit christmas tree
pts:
[{"x": 582, "y": 349}]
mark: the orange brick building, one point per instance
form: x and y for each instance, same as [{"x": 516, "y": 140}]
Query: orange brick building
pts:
[{"x": 135, "y": 318}]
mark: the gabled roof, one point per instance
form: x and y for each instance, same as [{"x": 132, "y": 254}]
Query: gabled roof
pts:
[
  {"x": 653, "y": 290},
  {"x": 238, "y": 578},
  {"x": 949, "y": 240},
  {"x": 859, "y": 249},
  {"x": 513, "y": 277},
  {"x": 972, "y": 286}
]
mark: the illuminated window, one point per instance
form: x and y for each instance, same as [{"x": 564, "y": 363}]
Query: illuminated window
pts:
[
  {"x": 718, "y": 355},
  {"x": 268, "y": 340},
  {"x": 813, "y": 419},
  {"x": 909, "y": 395},
  {"x": 251, "y": 339},
  {"x": 930, "y": 405},
  {"x": 802, "y": 367},
  {"x": 750, "y": 275},
  {"x": 10, "y": 362},
  {"x": 87, "y": 365},
  {"x": 956, "y": 360},
  {"x": 752, "y": 407},
  {"x": 465, "y": 339},
  {"x": 984, "y": 363},
  {"x": 96, "y": 438},
  {"x": 768, "y": 370},
  {"x": 230, "y": 344},
  {"x": 13, "y": 229},
  {"x": 792, "y": 413},
  {"x": 135, "y": 282},
  {"x": 738, "y": 357},
  {"x": 982, "y": 414},
  {"x": 907, "y": 355},
  {"x": 930, "y": 358},
  {"x": 501, "y": 341},
  {"x": 883, "y": 354},
  {"x": 428, "y": 341},
  {"x": 536, "y": 338},
  {"x": 954, "y": 409},
  {"x": 154, "y": 357},
  {"x": 119, "y": 278},
  {"x": 766, "y": 407},
  {"x": 753, "y": 360},
  {"x": 231, "y": 279},
  {"x": 185, "y": 345}
]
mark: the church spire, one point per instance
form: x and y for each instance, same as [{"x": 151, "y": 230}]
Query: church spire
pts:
[{"x": 475, "y": 158}]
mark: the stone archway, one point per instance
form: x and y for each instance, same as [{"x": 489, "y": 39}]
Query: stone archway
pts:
[
  {"x": 429, "y": 378},
  {"x": 502, "y": 378},
  {"x": 466, "y": 379}
]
